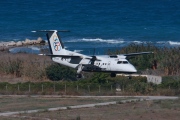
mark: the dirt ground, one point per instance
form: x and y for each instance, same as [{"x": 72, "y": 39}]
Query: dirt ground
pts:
[
  {"x": 145, "y": 110},
  {"x": 21, "y": 102},
  {"x": 128, "y": 111}
]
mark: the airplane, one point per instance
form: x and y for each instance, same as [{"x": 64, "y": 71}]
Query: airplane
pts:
[{"x": 112, "y": 64}]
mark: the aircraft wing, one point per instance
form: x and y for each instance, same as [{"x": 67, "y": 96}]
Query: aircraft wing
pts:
[
  {"x": 139, "y": 53},
  {"x": 63, "y": 56},
  {"x": 93, "y": 58}
]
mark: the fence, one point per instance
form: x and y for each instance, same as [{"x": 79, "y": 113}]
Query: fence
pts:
[
  {"x": 76, "y": 88},
  {"x": 57, "y": 88}
]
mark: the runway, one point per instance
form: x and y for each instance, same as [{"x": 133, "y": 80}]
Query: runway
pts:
[{"x": 128, "y": 100}]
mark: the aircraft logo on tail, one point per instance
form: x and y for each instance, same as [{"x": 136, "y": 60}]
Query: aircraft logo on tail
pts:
[{"x": 56, "y": 44}]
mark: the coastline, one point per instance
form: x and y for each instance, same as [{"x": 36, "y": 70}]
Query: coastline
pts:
[{"x": 5, "y": 46}]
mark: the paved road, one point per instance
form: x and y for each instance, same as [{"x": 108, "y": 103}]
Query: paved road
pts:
[{"x": 68, "y": 96}]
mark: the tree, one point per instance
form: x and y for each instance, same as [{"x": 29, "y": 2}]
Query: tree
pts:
[
  {"x": 58, "y": 72},
  {"x": 99, "y": 78}
]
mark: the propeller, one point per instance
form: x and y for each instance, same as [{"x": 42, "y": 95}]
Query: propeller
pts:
[{"x": 93, "y": 59}]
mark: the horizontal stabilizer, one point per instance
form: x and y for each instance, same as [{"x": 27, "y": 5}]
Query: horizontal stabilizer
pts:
[
  {"x": 140, "y": 53},
  {"x": 51, "y": 31}
]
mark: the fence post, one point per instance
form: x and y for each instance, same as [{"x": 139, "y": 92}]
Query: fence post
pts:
[
  {"x": 77, "y": 87},
  {"x": 18, "y": 87},
  {"x": 111, "y": 88},
  {"x": 29, "y": 88},
  {"x": 54, "y": 88},
  {"x": 88, "y": 88},
  {"x": 99, "y": 88},
  {"x": 65, "y": 88},
  {"x": 42, "y": 88},
  {"x": 6, "y": 87}
]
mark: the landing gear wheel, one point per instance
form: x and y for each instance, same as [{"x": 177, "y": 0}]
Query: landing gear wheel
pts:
[
  {"x": 79, "y": 75},
  {"x": 113, "y": 74}
]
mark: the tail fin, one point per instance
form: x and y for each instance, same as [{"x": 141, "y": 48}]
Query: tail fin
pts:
[{"x": 55, "y": 44}]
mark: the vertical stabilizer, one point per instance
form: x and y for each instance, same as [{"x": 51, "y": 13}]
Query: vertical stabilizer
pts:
[{"x": 55, "y": 44}]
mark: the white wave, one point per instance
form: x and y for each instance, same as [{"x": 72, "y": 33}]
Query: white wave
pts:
[
  {"x": 161, "y": 42},
  {"x": 112, "y": 41},
  {"x": 139, "y": 42},
  {"x": 102, "y": 40},
  {"x": 174, "y": 43}
]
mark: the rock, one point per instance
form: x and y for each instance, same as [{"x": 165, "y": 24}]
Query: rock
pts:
[
  {"x": 11, "y": 43},
  {"x": 28, "y": 42},
  {"x": 39, "y": 40},
  {"x": 7, "y": 45},
  {"x": 1, "y": 44},
  {"x": 34, "y": 41},
  {"x": 19, "y": 43},
  {"x": 43, "y": 42}
]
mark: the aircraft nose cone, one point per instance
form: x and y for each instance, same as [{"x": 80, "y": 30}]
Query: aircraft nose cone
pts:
[{"x": 133, "y": 69}]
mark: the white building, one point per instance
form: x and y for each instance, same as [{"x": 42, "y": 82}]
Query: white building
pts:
[{"x": 154, "y": 79}]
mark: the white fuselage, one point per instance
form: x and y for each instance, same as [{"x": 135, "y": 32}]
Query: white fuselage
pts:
[{"x": 106, "y": 63}]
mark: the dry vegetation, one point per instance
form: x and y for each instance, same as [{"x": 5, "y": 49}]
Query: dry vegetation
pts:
[{"x": 23, "y": 67}]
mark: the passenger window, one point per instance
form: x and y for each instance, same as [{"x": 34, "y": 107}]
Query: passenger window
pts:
[
  {"x": 125, "y": 62},
  {"x": 122, "y": 62},
  {"x": 119, "y": 62},
  {"x": 113, "y": 56}
]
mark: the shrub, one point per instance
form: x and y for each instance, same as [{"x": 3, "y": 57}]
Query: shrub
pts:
[{"x": 58, "y": 72}]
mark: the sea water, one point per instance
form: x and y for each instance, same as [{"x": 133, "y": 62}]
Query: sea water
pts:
[{"x": 99, "y": 24}]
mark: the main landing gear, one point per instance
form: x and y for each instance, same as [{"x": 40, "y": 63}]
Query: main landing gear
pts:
[
  {"x": 79, "y": 76},
  {"x": 113, "y": 75}
]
